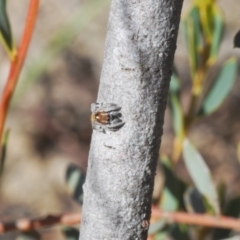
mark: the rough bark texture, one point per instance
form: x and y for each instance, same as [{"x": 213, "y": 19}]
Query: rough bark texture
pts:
[{"x": 140, "y": 47}]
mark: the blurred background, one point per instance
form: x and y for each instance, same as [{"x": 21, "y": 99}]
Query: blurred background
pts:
[{"x": 49, "y": 116}]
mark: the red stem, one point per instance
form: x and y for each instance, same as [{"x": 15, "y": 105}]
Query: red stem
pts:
[
  {"x": 17, "y": 63},
  {"x": 170, "y": 217},
  {"x": 69, "y": 219},
  {"x": 203, "y": 220}
]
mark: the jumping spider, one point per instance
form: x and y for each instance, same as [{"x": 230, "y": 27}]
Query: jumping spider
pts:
[{"x": 106, "y": 117}]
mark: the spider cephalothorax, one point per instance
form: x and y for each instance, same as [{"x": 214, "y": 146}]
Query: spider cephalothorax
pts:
[{"x": 106, "y": 117}]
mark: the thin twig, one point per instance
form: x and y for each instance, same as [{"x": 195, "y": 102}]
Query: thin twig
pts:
[
  {"x": 30, "y": 224},
  {"x": 75, "y": 218},
  {"x": 198, "y": 219},
  {"x": 17, "y": 62}
]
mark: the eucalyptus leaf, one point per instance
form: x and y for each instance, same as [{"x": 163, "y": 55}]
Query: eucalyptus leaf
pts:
[
  {"x": 75, "y": 179},
  {"x": 192, "y": 47},
  {"x": 179, "y": 232},
  {"x": 71, "y": 233},
  {"x": 220, "y": 88},
  {"x": 171, "y": 200},
  {"x": 206, "y": 12},
  {"x": 200, "y": 175},
  {"x": 5, "y": 29},
  {"x": 173, "y": 232},
  {"x": 177, "y": 115},
  {"x": 156, "y": 226},
  {"x": 172, "y": 197},
  {"x": 232, "y": 209},
  {"x": 183, "y": 31},
  {"x": 238, "y": 151},
  {"x": 163, "y": 235},
  {"x": 195, "y": 16},
  {"x": 232, "y": 238},
  {"x": 3, "y": 151},
  {"x": 168, "y": 201},
  {"x": 194, "y": 201},
  {"x": 192, "y": 35},
  {"x": 32, "y": 235},
  {"x": 236, "y": 40},
  {"x": 217, "y": 34},
  {"x": 174, "y": 84},
  {"x": 175, "y": 105}
]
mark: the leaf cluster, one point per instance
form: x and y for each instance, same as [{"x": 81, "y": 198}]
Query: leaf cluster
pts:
[{"x": 202, "y": 30}]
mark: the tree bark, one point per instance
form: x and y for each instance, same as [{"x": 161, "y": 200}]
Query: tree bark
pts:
[{"x": 139, "y": 54}]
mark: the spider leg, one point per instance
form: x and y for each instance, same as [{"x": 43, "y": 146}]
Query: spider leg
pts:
[
  {"x": 114, "y": 115},
  {"x": 98, "y": 127},
  {"x": 109, "y": 107},
  {"x": 95, "y": 107},
  {"x": 114, "y": 126},
  {"x": 94, "y": 125}
]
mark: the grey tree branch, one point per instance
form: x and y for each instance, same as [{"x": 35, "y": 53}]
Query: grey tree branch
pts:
[{"x": 139, "y": 53}]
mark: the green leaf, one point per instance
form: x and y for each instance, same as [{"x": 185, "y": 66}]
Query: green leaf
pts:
[
  {"x": 206, "y": 12},
  {"x": 169, "y": 198},
  {"x": 217, "y": 34},
  {"x": 156, "y": 226},
  {"x": 174, "y": 84},
  {"x": 172, "y": 196},
  {"x": 238, "y": 151},
  {"x": 192, "y": 47},
  {"x": 236, "y": 237},
  {"x": 162, "y": 236},
  {"x": 195, "y": 16},
  {"x": 173, "y": 232},
  {"x": 71, "y": 233},
  {"x": 232, "y": 209},
  {"x": 3, "y": 151},
  {"x": 179, "y": 232},
  {"x": 200, "y": 175},
  {"x": 175, "y": 105},
  {"x": 177, "y": 115},
  {"x": 193, "y": 38},
  {"x": 5, "y": 29},
  {"x": 236, "y": 40},
  {"x": 168, "y": 201},
  {"x": 194, "y": 201},
  {"x": 220, "y": 88},
  {"x": 183, "y": 31},
  {"x": 75, "y": 179},
  {"x": 33, "y": 235},
  {"x": 222, "y": 189}
]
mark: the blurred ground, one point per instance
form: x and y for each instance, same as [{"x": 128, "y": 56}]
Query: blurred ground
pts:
[{"x": 49, "y": 118}]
